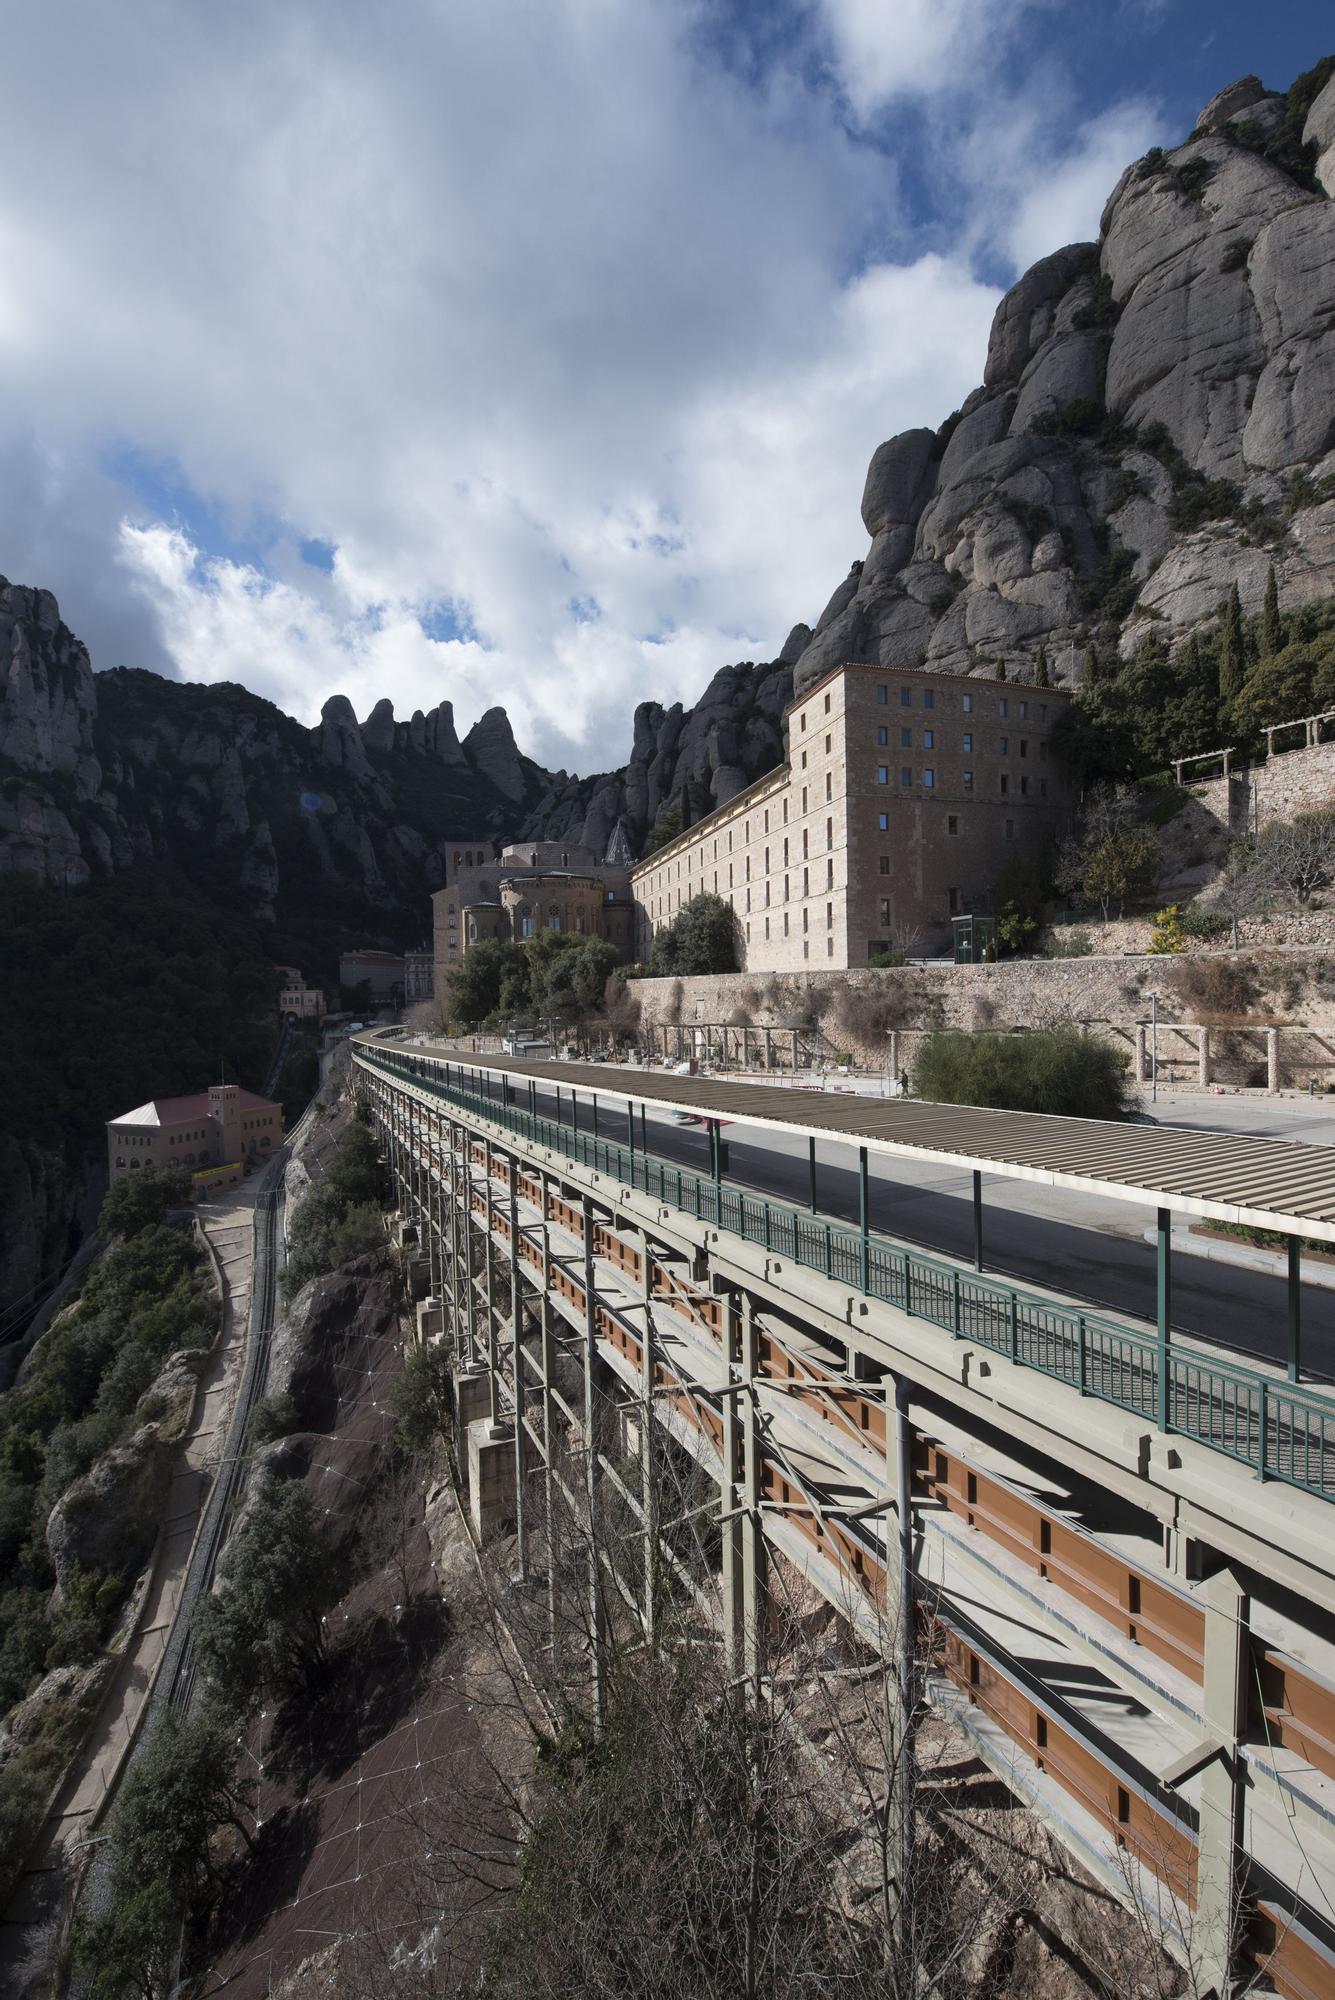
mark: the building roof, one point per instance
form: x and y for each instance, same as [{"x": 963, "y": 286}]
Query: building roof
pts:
[
  {"x": 1230, "y": 1177},
  {"x": 919, "y": 674},
  {"x": 179, "y": 1110},
  {"x": 703, "y": 824},
  {"x": 390, "y": 957}
]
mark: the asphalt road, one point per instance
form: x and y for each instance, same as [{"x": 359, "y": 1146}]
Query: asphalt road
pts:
[{"x": 1087, "y": 1246}]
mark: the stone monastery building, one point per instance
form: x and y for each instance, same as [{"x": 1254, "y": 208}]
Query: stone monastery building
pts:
[{"x": 904, "y": 794}]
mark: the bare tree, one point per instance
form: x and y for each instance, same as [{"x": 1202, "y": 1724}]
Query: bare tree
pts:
[{"x": 1297, "y": 856}]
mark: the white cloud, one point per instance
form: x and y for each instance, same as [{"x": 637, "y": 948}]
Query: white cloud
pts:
[{"x": 571, "y": 328}]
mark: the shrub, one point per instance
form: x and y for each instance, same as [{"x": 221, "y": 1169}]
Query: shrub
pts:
[
  {"x": 1075, "y": 943},
  {"x": 1166, "y": 938},
  {"x": 1216, "y": 989},
  {"x": 136, "y": 1200},
  {"x": 1198, "y": 923},
  {"x": 1058, "y": 1071},
  {"x": 265, "y": 1626},
  {"x": 701, "y": 938}
]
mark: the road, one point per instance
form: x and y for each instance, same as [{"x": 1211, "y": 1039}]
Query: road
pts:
[{"x": 1086, "y": 1246}]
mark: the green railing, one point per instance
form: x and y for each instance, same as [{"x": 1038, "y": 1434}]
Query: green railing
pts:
[{"x": 1281, "y": 1431}]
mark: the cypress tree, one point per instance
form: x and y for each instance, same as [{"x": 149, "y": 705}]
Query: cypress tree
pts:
[
  {"x": 1091, "y": 665},
  {"x": 1272, "y": 631},
  {"x": 1042, "y": 678},
  {"x": 1001, "y": 670},
  {"x": 1232, "y": 650}
]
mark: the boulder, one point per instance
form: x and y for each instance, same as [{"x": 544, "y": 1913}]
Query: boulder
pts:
[
  {"x": 899, "y": 479},
  {"x": 1024, "y": 318},
  {"x": 795, "y": 645},
  {"x": 1228, "y": 103}
]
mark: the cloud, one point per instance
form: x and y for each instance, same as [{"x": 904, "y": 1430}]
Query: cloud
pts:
[{"x": 559, "y": 351}]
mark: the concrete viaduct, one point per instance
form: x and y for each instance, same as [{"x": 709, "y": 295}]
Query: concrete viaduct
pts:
[{"x": 1122, "y": 1539}]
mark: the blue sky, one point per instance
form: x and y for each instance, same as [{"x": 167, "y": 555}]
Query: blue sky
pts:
[{"x": 543, "y": 366}]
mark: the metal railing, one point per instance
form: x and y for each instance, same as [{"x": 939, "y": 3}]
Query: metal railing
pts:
[{"x": 1282, "y": 1431}]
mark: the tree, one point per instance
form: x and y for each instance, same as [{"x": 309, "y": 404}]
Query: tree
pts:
[
  {"x": 1042, "y": 678},
  {"x": 1272, "y": 629},
  {"x": 423, "y": 1400},
  {"x": 701, "y": 938},
  {"x": 1018, "y": 895},
  {"x": 1059, "y": 1071},
  {"x": 1166, "y": 938},
  {"x": 480, "y": 984},
  {"x": 1233, "y": 648},
  {"x": 1123, "y": 865},
  {"x": 574, "y": 980},
  {"x": 264, "y": 1627},
  {"x": 133, "y": 1948},
  {"x": 1297, "y": 856},
  {"x": 137, "y": 1200}
]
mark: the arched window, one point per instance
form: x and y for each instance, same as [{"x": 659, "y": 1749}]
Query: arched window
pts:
[
  {"x": 532, "y": 860},
  {"x": 553, "y": 918},
  {"x": 565, "y": 860}
]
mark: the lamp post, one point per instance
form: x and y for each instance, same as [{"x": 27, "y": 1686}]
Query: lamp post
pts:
[{"x": 1154, "y": 1047}]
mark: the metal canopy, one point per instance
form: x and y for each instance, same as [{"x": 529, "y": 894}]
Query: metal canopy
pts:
[{"x": 1263, "y": 1183}]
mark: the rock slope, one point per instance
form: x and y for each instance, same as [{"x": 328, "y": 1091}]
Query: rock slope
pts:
[{"x": 1156, "y": 419}]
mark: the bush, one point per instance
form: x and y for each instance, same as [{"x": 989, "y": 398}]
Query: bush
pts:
[
  {"x": 1166, "y": 937},
  {"x": 265, "y": 1626},
  {"x": 1058, "y": 1071},
  {"x": 1216, "y": 989},
  {"x": 137, "y": 1200},
  {"x": 702, "y": 938},
  {"x": 1076, "y": 943},
  {"x": 1198, "y": 923},
  {"x": 340, "y": 1217}
]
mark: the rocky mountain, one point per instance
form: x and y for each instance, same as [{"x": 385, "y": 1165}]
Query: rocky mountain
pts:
[
  {"x": 1156, "y": 420},
  {"x": 100, "y": 771}
]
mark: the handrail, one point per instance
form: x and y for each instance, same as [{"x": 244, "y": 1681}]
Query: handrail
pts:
[{"x": 1281, "y": 1431}]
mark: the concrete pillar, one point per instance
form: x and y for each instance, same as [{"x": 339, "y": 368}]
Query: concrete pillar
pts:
[
  {"x": 769, "y": 1049},
  {"x": 893, "y": 1057},
  {"x": 1142, "y": 1071},
  {"x": 1272, "y": 1059},
  {"x": 648, "y": 1469},
  {"x": 489, "y": 1304},
  {"x": 592, "y": 1464},
  {"x": 730, "y": 1490},
  {"x": 547, "y": 1366},
  {"x": 491, "y": 1477},
  {"x": 1203, "y": 1075},
  {"x": 754, "y": 1595},
  {"x": 1227, "y": 1662},
  {"x": 472, "y": 1397},
  {"x": 519, "y": 1441},
  {"x": 430, "y": 1320}
]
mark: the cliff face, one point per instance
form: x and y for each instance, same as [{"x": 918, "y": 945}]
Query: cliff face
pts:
[{"x": 1156, "y": 419}]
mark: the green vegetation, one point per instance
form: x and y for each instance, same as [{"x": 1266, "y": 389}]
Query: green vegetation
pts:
[
  {"x": 83, "y": 1393},
  {"x": 124, "y": 990},
  {"x": 553, "y": 974},
  {"x": 1166, "y": 937},
  {"x": 341, "y": 1215},
  {"x": 1058, "y": 1071},
  {"x": 701, "y": 938},
  {"x": 1206, "y": 925},
  {"x": 1018, "y": 896},
  {"x": 263, "y": 1629},
  {"x": 423, "y": 1401},
  {"x": 179, "y": 1794},
  {"x": 1284, "y": 146}
]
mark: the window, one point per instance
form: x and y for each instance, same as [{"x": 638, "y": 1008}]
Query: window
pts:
[
  {"x": 885, "y": 864},
  {"x": 1001, "y": 705},
  {"x": 880, "y": 693},
  {"x": 883, "y": 822},
  {"x": 806, "y": 920},
  {"x": 829, "y": 947},
  {"x": 1024, "y": 710},
  {"x": 968, "y": 781},
  {"x": 1005, "y": 784},
  {"x": 766, "y": 829},
  {"x": 1043, "y": 788},
  {"x": 1024, "y": 746},
  {"x": 928, "y": 698},
  {"x": 785, "y": 923},
  {"x": 968, "y": 704},
  {"x": 1010, "y": 829},
  {"x": 882, "y": 774},
  {"x": 906, "y": 697},
  {"x": 928, "y": 740},
  {"x": 952, "y": 823},
  {"x": 785, "y": 888},
  {"x": 928, "y": 777},
  {"x": 829, "y": 745},
  {"x": 806, "y": 949},
  {"x": 829, "y": 833},
  {"x": 883, "y": 913},
  {"x": 954, "y": 896},
  {"x": 829, "y": 792},
  {"x": 767, "y": 861},
  {"x": 805, "y": 837},
  {"x": 1042, "y": 753},
  {"x": 806, "y": 881},
  {"x": 905, "y": 775},
  {"x": 785, "y": 853},
  {"x": 1042, "y": 711},
  {"x": 767, "y": 929},
  {"x": 966, "y": 743},
  {"x": 829, "y": 916},
  {"x": 827, "y": 704},
  {"x": 906, "y": 739},
  {"x": 882, "y": 738},
  {"x": 804, "y": 760},
  {"x": 804, "y": 718},
  {"x": 1024, "y": 788}
]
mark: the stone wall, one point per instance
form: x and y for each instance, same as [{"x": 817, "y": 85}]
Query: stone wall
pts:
[
  {"x": 1294, "y": 781},
  {"x": 1240, "y": 997}
]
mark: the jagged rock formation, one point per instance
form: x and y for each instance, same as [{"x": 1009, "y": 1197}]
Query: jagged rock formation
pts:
[{"x": 1156, "y": 419}]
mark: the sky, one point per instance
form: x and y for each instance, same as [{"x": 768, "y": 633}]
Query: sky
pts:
[{"x": 524, "y": 351}]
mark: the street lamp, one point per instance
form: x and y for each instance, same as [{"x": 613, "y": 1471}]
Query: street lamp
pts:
[{"x": 1154, "y": 1046}]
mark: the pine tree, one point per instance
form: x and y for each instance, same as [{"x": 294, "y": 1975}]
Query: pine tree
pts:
[
  {"x": 1001, "y": 670},
  {"x": 1232, "y": 651},
  {"x": 1042, "y": 678},
  {"x": 1272, "y": 631}
]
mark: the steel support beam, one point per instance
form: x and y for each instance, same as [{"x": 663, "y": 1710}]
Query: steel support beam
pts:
[{"x": 1164, "y": 1236}]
